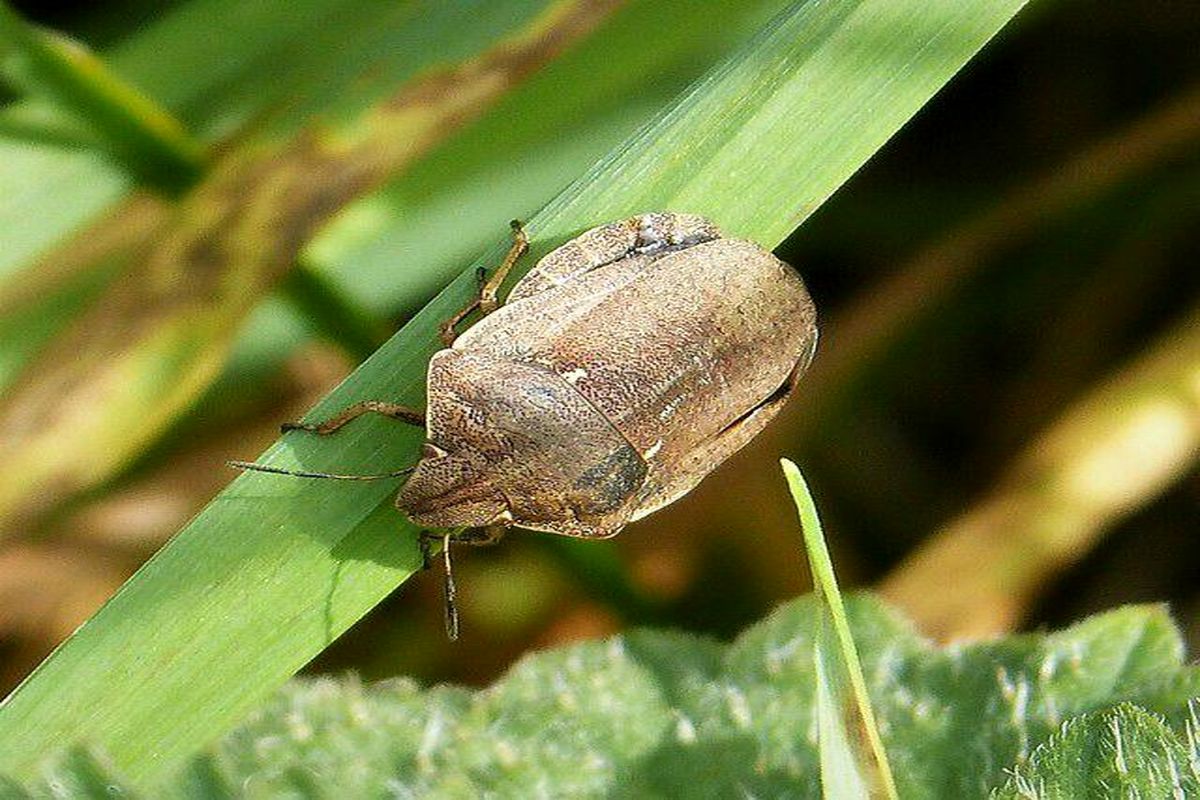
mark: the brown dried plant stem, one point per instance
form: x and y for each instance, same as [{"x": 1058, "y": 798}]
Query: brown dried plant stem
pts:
[{"x": 1114, "y": 450}]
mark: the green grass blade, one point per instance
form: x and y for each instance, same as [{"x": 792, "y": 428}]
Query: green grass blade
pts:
[
  {"x": 443, "y": 212},
  {"x": 274, "y": 569},
  {"x": 201, "y": 79},
  {"x": 841, "y": 776},
  {"x": 838, "y": 720},
  {"x": 144, "y": 138}
]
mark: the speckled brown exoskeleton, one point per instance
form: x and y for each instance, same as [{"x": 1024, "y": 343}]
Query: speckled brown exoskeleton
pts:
[{"x": 622, "y": 369}]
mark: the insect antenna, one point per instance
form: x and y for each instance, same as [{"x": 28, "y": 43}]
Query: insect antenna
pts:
[{"x": 246, "y": 465}]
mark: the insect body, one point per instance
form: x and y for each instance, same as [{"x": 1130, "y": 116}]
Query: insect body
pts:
[{"x": 622, "y": 369}]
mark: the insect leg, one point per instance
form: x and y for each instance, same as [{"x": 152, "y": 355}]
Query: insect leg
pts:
[
  {"x": 487, "y": 294},
  {"x": 472, "y": 536},
  {"x": 451, "y": 591},
  {"x": 486, "y": 300},
  {"x": 446, "y": 331},
  {"x": 393, "y": 410}
]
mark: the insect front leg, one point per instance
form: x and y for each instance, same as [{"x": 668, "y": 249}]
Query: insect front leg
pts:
[
  {"x": 472, "y": 536},
  {"x": 486, "y": 299},
  {"x": 393, "y": 410}
]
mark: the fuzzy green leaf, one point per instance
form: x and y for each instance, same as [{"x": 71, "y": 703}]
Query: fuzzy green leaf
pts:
[
  {"x": 1120, "y": 752},
  {"x": 655, "y": 714},
  {"x": 667, "y": 715}
]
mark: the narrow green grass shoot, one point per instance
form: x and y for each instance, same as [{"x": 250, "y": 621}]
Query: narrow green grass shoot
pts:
[{"x": 843, "y": 772}]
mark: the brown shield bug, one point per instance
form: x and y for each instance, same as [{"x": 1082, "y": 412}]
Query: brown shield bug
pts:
[{"x": 622, "y": 369}]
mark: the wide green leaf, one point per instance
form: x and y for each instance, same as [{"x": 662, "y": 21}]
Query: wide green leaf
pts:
[
  {"x": 273, "y": 570},
  {"x": 663, "y": 714}
]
